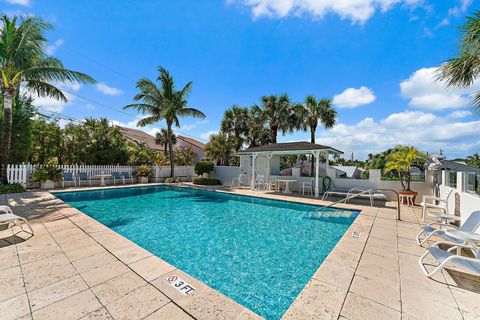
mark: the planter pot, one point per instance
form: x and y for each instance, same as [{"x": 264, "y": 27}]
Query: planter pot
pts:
[
  {"x": 49, "y": 184},
  {"x": 408, "y": 193},
  {"x": 143, "y": 179}
]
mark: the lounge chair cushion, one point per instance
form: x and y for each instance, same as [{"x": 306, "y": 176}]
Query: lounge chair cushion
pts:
[{"x": 441, "y": 255}]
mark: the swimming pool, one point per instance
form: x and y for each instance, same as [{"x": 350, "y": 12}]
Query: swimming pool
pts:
[{"x": 259, "y": 252}]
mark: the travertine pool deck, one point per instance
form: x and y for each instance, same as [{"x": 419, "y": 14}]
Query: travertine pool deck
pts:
[{"x": 76, "y": 268}]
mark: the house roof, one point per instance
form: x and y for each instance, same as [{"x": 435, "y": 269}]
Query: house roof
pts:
[
  {"x": 348, "y": 170},
  {"x": 289, "y": 148},
  {"x": 192, "y": 141},
  {"x": 140, "y": 136}
]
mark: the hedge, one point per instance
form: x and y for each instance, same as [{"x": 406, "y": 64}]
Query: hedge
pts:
[{"x": 206, "y": 181}]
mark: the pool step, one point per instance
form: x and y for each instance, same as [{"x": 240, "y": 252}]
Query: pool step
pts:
[{"x": 328, "y": 213}]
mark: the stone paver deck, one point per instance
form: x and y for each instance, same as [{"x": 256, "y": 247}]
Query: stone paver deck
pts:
[{"x": 76, "y": 268}]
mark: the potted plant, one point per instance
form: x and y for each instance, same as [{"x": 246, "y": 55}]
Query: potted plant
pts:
[
  {"x": 47, "y": 176},
  {"x": 143, "y": 173},
  {"x": 401, "y": 161}
]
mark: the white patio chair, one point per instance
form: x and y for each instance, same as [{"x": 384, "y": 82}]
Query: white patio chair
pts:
[
  {"x": 446, "y": 257},
  {"x": 260, "y": 182},
  {"x": 470, "y": 225},
  {"x": 83, "y": 176},
  {"x": 8, "y": 217},
  {"x": 241, "y": 181},
  {"x": 127, "y": 176},
  {"x": 442, "y": 205},
  {"x": 272, "y": 185},
  {"x": 307, "y": 185},
  {"x": 69, "y": 178}
]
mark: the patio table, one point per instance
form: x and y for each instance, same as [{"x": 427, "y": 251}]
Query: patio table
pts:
[
  {"x": 445, "y": 217},
  {"x": 287, "y": 184},
  {"x": 102, "y": 178}
]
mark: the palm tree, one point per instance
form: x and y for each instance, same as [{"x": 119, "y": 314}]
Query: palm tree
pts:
[
  {"x": 474, "y": 160},
  {"x": 163, "y": 102},
  {"x": 401, "y": 160},
  {"x": 24, "y": 62},
  {"x": 162, "y": 138},
  {"x": 278, "y": 113},
  {"x": 235, "y": 123},
  {"x": 312, "y": 112},
  {"x": 462, "y": 71},
  {"x": 257, "y": 133},
  {"x": 219, "y": 148}
]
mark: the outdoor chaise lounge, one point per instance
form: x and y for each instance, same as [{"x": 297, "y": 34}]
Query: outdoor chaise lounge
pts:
[
  {"x": 442, "y": 203},
  {"x": 446, "y": 257},
  {"x": 470, "y": 225},
  {"x": 68, "y": 177},
  {"x": 361, "y": 193},
  {"x": 8, "y": 217}
]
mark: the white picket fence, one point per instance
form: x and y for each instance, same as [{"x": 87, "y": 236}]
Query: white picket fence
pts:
[{"x": 20, "y": 173}]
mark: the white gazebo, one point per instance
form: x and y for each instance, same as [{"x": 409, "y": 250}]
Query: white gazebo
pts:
[{"x": 266, "y": 158}]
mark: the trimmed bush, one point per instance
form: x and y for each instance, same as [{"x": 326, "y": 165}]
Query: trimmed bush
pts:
[
  {"x": 206, "y": 181},
  {"x": 11, "y": 188},
  {"x": 203, "y": 167}
]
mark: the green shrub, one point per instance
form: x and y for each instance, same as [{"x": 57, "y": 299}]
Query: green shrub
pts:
[
  {"x": 11, "y": 188},
  {"x": 203, "y": 167},
  {"x": 206, "y": 181},
  {"x": 143, "y": 171},
  {"x": 173, "y": 180},
  {"x": 47, "y": 173}
]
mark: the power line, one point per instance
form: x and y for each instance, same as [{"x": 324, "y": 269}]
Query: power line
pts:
[{"x": 98, "y": 103}]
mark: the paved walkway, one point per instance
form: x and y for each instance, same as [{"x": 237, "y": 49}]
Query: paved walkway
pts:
[{"x": 76, "y": 268}]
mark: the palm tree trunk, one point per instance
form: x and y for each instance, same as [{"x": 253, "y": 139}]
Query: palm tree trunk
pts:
[
  {"x": 312, "y": 140},
  {"x": 273, "y": 133},
  {"x": 170, "y": 150},
  {"x": 7, "y": 135}
]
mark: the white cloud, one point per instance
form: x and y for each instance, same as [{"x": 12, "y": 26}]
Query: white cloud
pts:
[
  {"x": 424, "y": 130},
  {"x": 352, "y": 98},
  {"x": 53, "y": 47},
  {"x": 25, "y": 3},
  {"x": 456, "y": 12},
  {"x": 206, "y": 135},
  {"x": 105, "y": 89},
  {"x": 358, "y": 11},
  {"x": 425, "y": 93},
  {"x": 460, "y": 114}
]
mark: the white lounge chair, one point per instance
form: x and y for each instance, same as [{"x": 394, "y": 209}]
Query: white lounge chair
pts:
[
  {"x": 446, "y": 257},
  {"x": 355, "y": 191},
  {"x": 470, "y": 225},
  {"x": 8, "y": 217},
  {"x": 241, "y": 181},
  {"x": 442, "y": 203},
  {"x": 308, "y": 186}
]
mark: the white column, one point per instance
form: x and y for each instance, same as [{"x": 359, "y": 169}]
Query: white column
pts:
[
  {"x": 317, "y": 169},
  {"x": 267, "y": 173},
  {"x": 252, "y": 182}
]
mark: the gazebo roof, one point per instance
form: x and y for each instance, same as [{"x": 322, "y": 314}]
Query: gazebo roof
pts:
[{"x": 299, "y": 147}]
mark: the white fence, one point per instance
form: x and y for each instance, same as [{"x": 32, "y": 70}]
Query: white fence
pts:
[{"x": 21, "y": 173}]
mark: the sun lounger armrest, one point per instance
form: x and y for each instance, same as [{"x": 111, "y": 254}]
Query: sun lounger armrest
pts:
[{"x": 433, "y": 198}]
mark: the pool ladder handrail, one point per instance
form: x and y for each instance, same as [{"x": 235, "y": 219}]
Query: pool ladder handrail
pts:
[{"x": 369, "y": 191}]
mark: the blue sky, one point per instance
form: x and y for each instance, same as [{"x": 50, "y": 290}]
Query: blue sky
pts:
[{"x": 375, "y": 58}]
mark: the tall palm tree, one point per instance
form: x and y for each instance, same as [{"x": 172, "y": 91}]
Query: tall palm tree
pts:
[
  {"x": 312, "y": 112},
  {"x": 462, "y": 71},
  {"x": 235, "y": 123},
  {"x": 278, "y": 113},
  {"x": 474, "y": 160},
  {"x": 23, "y": 61},
  {"x": 163, "y": 102},
  {"x": 219, "y": 148},
  {"x": 257, "y": 134},
  {"x": 162, "y": 138}
]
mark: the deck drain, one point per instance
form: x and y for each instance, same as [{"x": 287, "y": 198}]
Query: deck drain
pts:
[{"x": 356, "y": 235}]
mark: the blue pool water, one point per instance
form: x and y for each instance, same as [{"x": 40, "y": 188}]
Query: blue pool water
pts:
[{"x": 261, "y": 253}]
